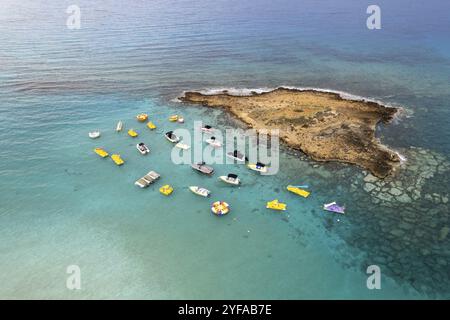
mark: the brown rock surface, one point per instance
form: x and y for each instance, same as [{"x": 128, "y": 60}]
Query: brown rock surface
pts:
[{"x": 323, "y": 125}]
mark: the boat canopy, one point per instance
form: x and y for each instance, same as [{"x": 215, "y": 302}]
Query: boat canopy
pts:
[
  {"x": 232, "y": 175},
  {"x": 207, "y": 127},
  {"x": 259, "y": 164}
]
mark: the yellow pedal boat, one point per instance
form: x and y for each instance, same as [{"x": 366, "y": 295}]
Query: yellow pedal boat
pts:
[
  {"x": 117, "y": 159},
  {"x": 275, "y": 205},
  {"x": 166, "y": 190},
  {"x": 142, "y": 117},
  {"x": 298, "y": 191},
  {"x": 132, "y": 133},
  {"x": 173, "y": 118},
  {"x": 151, "y": 125},
  {"x": 102, "y": 153}
]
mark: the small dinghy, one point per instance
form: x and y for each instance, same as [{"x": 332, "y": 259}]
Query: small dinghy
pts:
[
  {"x": 201, "y": 167},
  {"x": 334, "y": 207},
  {"x": 207, "y": 129},
  {"x": 151, "y": 125},
  {"x": 171, "y": 137},
  {"x": 220, "y": 208},
  {"x": 101, "y": 152},
  {"x": 132, "y": 133},
  {"x": 142, "y": 117},
  {"x": 260, "y": 167},
  {"x": 213, "y": 142},
  {"x": 231, "y": 178},
  {"x": 182, "y": 145},
  {"x": 275, "y": 205},
  {"x": 236, "y": 155},
  {"x": 297, "y": 190},
  {"x": 94, "y": 134},
  {"x": 200, "y": 191},
  {"x": 142, "y": 148},
  {"x": 180, "y": 120},
  {"x": 119, "y": 126}
]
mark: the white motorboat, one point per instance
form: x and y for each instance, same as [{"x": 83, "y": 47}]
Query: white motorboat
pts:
[
  {"x": 203, "y": 168},
  {"x": 231, "y": 178},
  {"x": 142, "y": 148},
  {"x": 236, "y": 155},
  {"x": 183, "y": 146},
  {"x": 260, "y": 167},
  {"x": 200, "y": 191},
  {"x": 207, "y": 129},
  {"x": 94, "y": 134},
  {"x": 119, "y": 126},
  {"x": 213, "y": 142}
]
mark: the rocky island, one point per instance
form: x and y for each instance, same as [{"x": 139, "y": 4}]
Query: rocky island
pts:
[{"x": 323, "y": 125}]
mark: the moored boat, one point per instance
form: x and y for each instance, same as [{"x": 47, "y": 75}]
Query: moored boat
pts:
[
  {"x": 207, "y": 129},
  {"x": 94, "y": 134},
  {"x": 182, "y": 145},
  {"x": 213, "y": 142},
  {"x": 148, "y": 179},
  {"x": 334, "y": 207},
  {"x": 132, "y": 133},
  {"x": 200, "y": 191},
  {"x": 173, "y": 118},
  {"x": 275, "y": 205},
  {"x": 142, "y": 148},
  {"x": 180, "y": 120},
  {"x": 297, "y": 190},
  {"x": 220, "y": 208},
  {"x": 171, "y": 137},
  {"x": 260, "y": 167},
  {"x": 102, "y": 153},
  {"x": 166, "y": 190},
  {"x": 119, "y": 126},
  {"x": 203, "y": 168},
  {"x": 236, "y": 155},
  {"x": 151, "y": 125},
  {"x": 142, "y": 117},
  {"x": 117, "y": 159},
  {"x": 231, "y": 178}
]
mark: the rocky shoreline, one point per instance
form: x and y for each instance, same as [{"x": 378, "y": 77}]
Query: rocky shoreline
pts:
[{"x": 323, "y": 125}]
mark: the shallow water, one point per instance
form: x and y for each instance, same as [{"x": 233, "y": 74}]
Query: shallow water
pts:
[{"x": 63, "y": 205}]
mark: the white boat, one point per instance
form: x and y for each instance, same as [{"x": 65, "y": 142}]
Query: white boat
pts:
[
  {"x": 236, "y": 155},
  {"x": 142, "y": 148},
  {"x": 203, "y": 168},
  {"x": 200, "y": 191},
  {"x": 260, "y": 167},
  {"x": 119, "y": 126},
  {"x": 94, "y": 134},
  {"x": 180, "y": 120},
  {"x": 207, "y": 129},
  {"x": 171, "y": 137},
  {"x": 213, "y": 142},
  {"x": 182, "y": 145},
  {"x": 148, "y": 179},
  {"x": 231, "y": 179}
]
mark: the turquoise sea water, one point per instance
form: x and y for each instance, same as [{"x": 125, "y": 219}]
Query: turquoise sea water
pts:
[{"x": 61, "y": 205}]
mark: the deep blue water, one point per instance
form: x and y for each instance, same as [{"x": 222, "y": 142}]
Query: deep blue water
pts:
[{"x": 62, "y": 205}]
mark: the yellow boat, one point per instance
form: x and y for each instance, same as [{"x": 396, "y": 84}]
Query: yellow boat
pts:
[
  {"x": 298, "y": 191},
  {"x": 151, "y": 125},
  {"x": 117, "y": 159},
  {"x": 142, "y": 117},
  {"x": 166, "y": 190},
  {"x": 102, "y": 153},
  {"x": 275, "y": 205},
  {"x": 173, "y": 118},
  {"x": 132, "y": 133}
]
